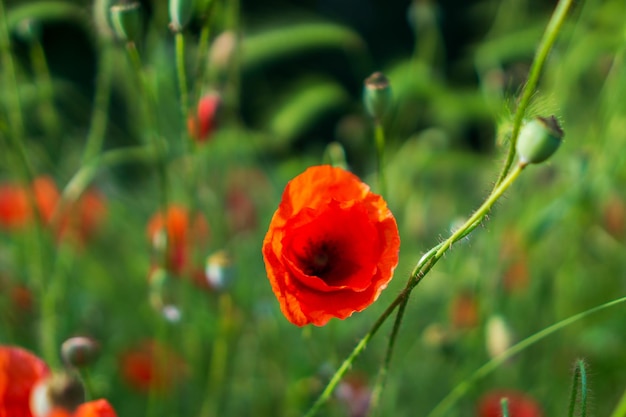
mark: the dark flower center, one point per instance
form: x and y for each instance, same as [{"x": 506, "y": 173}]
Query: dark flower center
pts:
[{"x": 320, "y": 260}]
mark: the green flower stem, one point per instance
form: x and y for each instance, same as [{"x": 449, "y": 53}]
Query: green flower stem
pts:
[
  {"x": 379, "y": 133},
  {"x": 99, "y": 114},
  {"x": 83, "y": 177},
  {"x": 444, "y": 406},
  {"x": 201, "y": 58},
  {"x": 504, "y": 406},
  {"x": 580, "y": 375},
  {"x": 14, "y": 106},
  {"x": 547, "y": 41},
  {"x": 620, "y": 409},
  {"x": 89, "y": 389},
  {"x": 46, "y": 93},
  {"x": 422, "y": 268},
  {"x": 160, "y": 147},
  {"x": 219, "y": 357},
  {"x": 182, "y": 78},
  {"x": 480, "y": 214}
]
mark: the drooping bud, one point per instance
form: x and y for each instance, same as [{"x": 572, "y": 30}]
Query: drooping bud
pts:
[
  {"x": 180, "y": 13},
  {"x": 538, "y": 140},
  {"x": 80, "y": 351},
  {"x": 61, "y": 391},
  {"x": 126, "y": 20},
  {"x": 377, "y": 96}
]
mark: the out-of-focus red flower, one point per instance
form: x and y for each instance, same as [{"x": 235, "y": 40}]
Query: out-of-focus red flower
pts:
[
  {"x": 97, "y": 408},
  {"x": 78, "y": 220},
  {"x": 19, "y": 372},
  {"x": 181, "y": 235},
  {"x": 151, "y": 365},
  {"x": 240, "y": 210},
  {"x": 331, "y": 247},
  {"x": 14, "y": 207},
  {"x": 614, "y": 217},
  {"x": 202, "y": 124},
  {"x": 464, "y": 310},
  {"x": 520, "y": 404},
  {"x": 514, "y": 257}
]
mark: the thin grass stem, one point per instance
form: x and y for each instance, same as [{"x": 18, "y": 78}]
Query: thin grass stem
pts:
[{"x": 460, "y": 390}]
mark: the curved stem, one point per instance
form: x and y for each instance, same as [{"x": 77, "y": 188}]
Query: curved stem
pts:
[
  {"x": 97, "y": 128},
  {"x": 444, "y": 405},
  {"x": 425, "y": 264},
  {"x": 547, "y": 41}
]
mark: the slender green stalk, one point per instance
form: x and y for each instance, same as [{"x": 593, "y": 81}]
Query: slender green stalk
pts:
[
  {"x": 182, "y": 77},
  {"x": 620, "y": 409},
  {"x": 90, "y": 391},
  {"x": 446, "y": 404},
  {"x": 580, "y": 375},
  {"x": 44, "y": 84},
  {"x": 504, "y": 406},
  {"x": 384, "y": 369},
  {"x": 219, "y": 357},
  {"x": 425, "y": 264},
  {"x": 379, "y": 132},
  {"x": 14, "y": 106},
  {"x": 547, "y": 41},
  {"x": 99, "y": 114}
]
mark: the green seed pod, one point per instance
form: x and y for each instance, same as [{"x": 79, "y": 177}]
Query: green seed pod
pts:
[
  {"x": 180, "y": 13},
  {"x": 126, "y": 20},
  {"x": 377, "y": 96},
  {"x": 538, "y": 140},
  {"x": 79, "y": 351}
]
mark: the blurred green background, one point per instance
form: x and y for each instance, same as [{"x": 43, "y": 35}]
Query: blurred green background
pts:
[{"x": 291, "y": 85}]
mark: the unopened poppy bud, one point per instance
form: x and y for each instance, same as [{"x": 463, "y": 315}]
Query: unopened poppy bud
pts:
[
  {"x": 61, "y": 391},
  {"x": 80, "y": 351},
  {"x": 202, "y": 124},
  {"x": 377, "y": 96},
  {"x": 538, "y": 140},
  {"x": 126, "y": 20},
  {"x": 180, "y": 13}
]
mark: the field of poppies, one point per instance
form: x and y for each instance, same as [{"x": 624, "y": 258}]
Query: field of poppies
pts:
[{"x": 298, "y": 208}]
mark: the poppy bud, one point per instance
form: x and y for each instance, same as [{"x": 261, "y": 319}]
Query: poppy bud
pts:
[
  {"x": 204, "y": 122},
  {"x": 80, "y": 351},
  {"x": 180, "y": 13},
  {"x": 126, "y": 20},
  {"x": 63, "y": 390},
  {"x": 377, "y": 96},
  {"x": 538, "y": 140}
]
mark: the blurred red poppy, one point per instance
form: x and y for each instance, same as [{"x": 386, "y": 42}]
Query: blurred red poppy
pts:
[
  {"x": 19, "y": 372},
  {"x": 331, "y": 247},
  {"x": 151, "y": 365},
  {"x": 202, "y": 125},
  {"x": 464, "y": 310},
  {"x": 181, "y": 236},
  {"x": 77, "y": 221},
  {"x": 520, "y": 404}
]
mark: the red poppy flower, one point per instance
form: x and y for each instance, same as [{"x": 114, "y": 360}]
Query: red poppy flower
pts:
[
  {"x": 520, "y": 404},
  {"x": 19, "y": 371},
  {"x": 150, "y": 365},
  {"x": 201, "y": 125},
  {"x": 331, "y": 247},
  {"x": 181, "y": 235}
]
